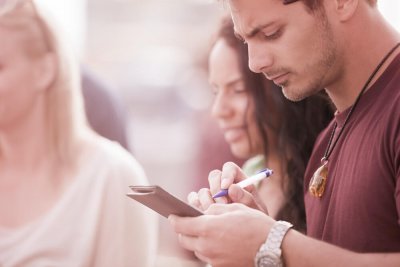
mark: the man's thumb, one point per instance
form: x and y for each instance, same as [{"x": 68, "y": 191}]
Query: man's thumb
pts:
[{"x": 239, "y": 195}]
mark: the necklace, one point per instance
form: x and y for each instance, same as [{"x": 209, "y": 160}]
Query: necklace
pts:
[{"x": 318, "y": 181}]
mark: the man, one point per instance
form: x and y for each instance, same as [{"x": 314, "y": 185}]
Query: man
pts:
[{"x": 352, "y": 195}]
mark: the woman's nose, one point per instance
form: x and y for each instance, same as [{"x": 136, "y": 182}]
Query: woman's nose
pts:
[{"x": 220, "y": 107}]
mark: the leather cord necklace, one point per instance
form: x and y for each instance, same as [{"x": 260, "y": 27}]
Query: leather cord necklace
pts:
[{"x": 318, "y": 181}]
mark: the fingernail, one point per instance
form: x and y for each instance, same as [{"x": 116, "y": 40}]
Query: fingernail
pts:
[{"x": 225, "y": 184}]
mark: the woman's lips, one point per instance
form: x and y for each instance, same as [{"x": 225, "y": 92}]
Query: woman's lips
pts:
[{"x": 233, "y": 134}]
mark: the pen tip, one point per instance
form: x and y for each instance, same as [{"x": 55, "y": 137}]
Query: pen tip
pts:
[{"x": 221, "y": 193}]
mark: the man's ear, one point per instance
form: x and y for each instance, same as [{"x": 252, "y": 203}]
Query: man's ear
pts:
[
  {"x": 45, "y": 72},
  {"x": 345, "y": 9}
]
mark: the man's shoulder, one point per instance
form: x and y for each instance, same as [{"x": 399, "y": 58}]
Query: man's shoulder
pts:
[{"x": 391, "y": 78}]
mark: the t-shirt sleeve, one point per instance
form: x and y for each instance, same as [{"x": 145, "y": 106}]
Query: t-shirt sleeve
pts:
[
  {"x": 397, "y": 172},
  {"x": 396, "y": 158}
]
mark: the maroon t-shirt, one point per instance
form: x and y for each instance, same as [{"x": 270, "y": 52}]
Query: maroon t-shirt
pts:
[{"x": 360, "y": 208}]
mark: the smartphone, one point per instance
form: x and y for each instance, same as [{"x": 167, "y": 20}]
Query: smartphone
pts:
[{"x": 159, "y": 200}]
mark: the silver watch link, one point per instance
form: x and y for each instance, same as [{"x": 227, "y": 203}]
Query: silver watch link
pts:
[{"x": 269, "y": 254}]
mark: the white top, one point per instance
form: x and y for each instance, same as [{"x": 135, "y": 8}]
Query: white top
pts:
[{"x": 93, "y": 223}]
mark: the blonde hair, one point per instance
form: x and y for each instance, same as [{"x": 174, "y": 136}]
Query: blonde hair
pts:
[{"x": 65, "y": 110}]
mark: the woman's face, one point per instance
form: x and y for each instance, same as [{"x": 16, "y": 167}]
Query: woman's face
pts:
[
  {"x": 233, "y": 105},
  {"x": 19, "y": 79}
]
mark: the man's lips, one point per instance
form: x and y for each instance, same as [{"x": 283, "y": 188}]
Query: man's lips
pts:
[{"x": 277, "y": 78}]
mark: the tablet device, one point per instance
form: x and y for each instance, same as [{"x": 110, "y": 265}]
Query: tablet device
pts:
[{"x": 159, "y": 200}]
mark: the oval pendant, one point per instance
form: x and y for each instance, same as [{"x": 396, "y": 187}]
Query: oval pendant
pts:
[{"x": 318, "y": 181}]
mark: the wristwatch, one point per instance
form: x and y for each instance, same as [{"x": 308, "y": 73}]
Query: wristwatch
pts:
[{"x": 269, "y": 254}]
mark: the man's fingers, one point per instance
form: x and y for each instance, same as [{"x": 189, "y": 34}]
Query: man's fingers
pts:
[
  {"x": 193, "y": 200},
  {"x": 231, "y": 173},
  {"x": 189, "y": 226},
  {"x": 205, "y": 198},
  {"x": 188, "y": 242},
  {"x": 239, "y": 195},
  {"x": 214, "y": 179},
  {"x": 260, "y": 203},
  {"x": 218, "y": 209},
  {"x": 192, "y": 243}
]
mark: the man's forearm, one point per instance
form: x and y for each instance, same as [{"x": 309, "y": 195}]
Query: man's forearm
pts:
[{"x": 302, "y": 251}]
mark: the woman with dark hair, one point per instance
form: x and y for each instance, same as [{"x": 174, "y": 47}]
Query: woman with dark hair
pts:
[{"x": 261, "y": 125}]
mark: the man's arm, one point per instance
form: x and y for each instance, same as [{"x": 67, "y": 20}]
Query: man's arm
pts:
[
  {"x": 301, "y": 251},
  {"x": 230, "y": 235}
]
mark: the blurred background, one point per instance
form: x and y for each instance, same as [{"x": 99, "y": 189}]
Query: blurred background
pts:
[{"x": 151, "y": 55}]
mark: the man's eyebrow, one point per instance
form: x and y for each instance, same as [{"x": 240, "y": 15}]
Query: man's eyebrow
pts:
[
  {"x": 237, "y": 35},
  {"x": 252, "y": 32}
]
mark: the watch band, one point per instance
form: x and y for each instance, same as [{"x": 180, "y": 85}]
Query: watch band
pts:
[{"x": 269, "y": 254}]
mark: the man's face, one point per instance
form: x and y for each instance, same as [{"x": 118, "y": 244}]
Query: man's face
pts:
[{"x": 292, "y": 46}]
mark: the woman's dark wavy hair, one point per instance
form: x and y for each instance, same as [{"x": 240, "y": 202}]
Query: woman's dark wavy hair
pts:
[{"x": 296, "y": 124}]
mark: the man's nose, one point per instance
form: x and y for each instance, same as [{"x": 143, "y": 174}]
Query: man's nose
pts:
[{"x": 259, "y": 57}]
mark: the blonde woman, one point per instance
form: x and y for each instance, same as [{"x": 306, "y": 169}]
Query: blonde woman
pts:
[{"x": 62, "y": 187}]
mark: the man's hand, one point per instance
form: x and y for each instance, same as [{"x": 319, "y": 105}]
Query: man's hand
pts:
[
  {"x": 227, "y": 235},
  {"x": 226, "y": 179}
]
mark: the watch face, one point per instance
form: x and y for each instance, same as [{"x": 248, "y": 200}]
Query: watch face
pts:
[{"x": 269, "y": 254}]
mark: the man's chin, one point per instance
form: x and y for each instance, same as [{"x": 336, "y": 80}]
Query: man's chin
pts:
[{"x": 292, "y": 94}]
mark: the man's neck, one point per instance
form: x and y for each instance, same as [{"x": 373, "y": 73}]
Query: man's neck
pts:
[{"x": 361, "y": 56}]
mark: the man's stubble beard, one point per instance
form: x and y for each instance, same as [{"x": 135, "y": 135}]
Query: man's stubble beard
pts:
[{"x": 317, "y": 70}]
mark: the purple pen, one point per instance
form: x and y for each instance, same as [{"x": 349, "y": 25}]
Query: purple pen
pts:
[
  {"x": 251, "y": 180},
  {"x": 221, "y": 193}
]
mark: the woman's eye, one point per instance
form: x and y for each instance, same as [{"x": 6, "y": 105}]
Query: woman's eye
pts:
[{"x": 239, "y": 89}]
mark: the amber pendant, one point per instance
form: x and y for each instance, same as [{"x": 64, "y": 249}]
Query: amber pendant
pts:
[{"x": 318, "y": 181}]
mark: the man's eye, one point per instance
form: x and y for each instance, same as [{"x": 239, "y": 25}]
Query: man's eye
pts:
[
  {"x": 273, "y": 35},
  {"x": 240, "y": 38},
  {"x": 214, "y": 90}
]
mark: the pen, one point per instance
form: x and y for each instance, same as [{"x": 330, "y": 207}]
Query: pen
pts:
[{"x": 251, "y": 180}]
